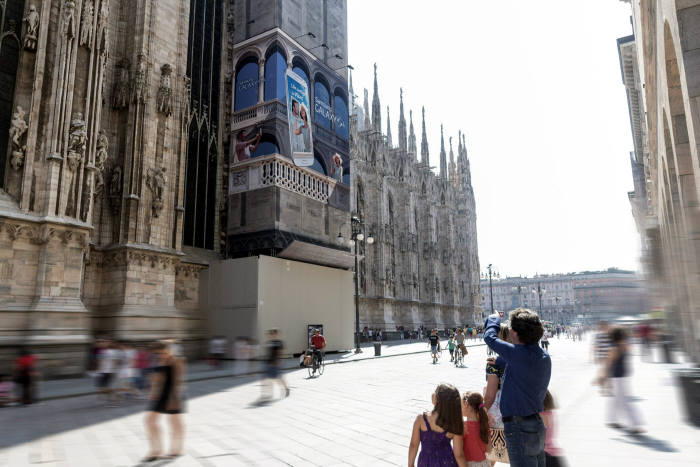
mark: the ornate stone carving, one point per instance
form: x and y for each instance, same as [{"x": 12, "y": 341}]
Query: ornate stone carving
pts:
[
  {"x": 68, "y": 25},
  {"x": 31, "y": 33},
  {"x": 18, "y": 128},
  {"x": 139, "y": 89},
  {"x": 77, "y": 141},
  {"x": 115, "y": 189},
  {"x": 120, "y": 99},
  {"x": 187, "y": 95},
  {"x": 239, "y": 178},
  {"x": 86, "y": 23},
  {"x": 100, "y": 158},
  {"x": 164, "y": 102},
  {"x": 156, "y": 183}
]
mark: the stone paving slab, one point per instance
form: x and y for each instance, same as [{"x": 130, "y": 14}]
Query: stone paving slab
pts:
[{"x": 357, "y": 415}]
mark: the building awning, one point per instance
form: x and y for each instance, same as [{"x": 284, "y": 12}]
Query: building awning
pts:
[{"x": 317, "y": 254}]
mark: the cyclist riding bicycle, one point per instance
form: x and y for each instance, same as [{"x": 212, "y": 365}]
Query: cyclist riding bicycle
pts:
[
  {"x": 459, "y": 340},
  {"x": 318, "y": 345}
]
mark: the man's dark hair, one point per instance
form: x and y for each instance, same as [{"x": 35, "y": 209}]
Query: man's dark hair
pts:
[
  {"x": 527, "y": 325},
  {"x": 617, "y": 335}
]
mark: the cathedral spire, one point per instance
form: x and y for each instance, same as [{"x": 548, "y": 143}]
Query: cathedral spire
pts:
[
  {"x": 376, "y": 110},
  {"x": 467, "y": 169},
  {"x": 411, "y": 135},
  {"x": 453, "y": 168},
  {"x": 443, "y": 156},
  {"x": 402, "y": 124},
  {"x": 366, "y": 110},
  {"x": 351, "y": 92},
  {"x": 388, "y": 128},
  {"x": 424, "y": 154}
]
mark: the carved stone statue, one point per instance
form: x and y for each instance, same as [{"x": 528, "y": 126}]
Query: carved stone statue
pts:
[
  {"x": 100, "y": 158},
  {"x": 120, "y": 99},
  {"x": 68, "y": 28},
  {"x": 18, "y": 128},
  {"x": 77, "y": 141},
  {"x": 86, "y": 23},
  {"x": 164, "y": 102},
  {"x": 156, "y": 183},
  {"x": 139, "y": 90},
  {"x": 115, "y": 189},
  {"x": 31, "y": 34}
]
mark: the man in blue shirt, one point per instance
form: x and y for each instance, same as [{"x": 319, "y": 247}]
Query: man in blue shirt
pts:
[{"x": 528, "y": 369}]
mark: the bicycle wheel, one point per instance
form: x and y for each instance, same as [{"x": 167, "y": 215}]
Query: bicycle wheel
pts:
[
  {"x": 321, "y": 367},
  {"x": 311, "y": 370}
]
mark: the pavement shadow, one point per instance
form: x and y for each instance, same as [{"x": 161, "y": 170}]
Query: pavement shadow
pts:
[
  {"x": 19, "y": 424},
  {"x": 642, "y": 439}
]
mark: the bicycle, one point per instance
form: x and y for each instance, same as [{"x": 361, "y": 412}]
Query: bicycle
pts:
[{"x": 317, "y": 364}]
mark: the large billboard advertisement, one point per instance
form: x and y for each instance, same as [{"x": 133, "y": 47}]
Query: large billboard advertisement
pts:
[{"x": 299, "y": 119}]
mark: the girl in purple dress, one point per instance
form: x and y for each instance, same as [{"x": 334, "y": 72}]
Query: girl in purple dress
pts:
[{"x": 435, "y": 432}]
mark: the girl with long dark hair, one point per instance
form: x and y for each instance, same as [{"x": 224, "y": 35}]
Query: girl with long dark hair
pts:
[
  {"x": 476, "y": 430},
  {"x": 439, "y": 433}
]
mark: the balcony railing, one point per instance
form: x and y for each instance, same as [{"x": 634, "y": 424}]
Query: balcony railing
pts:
[
  {"x": 259, "y": 112},
  {"x": 277, "y": 170}
]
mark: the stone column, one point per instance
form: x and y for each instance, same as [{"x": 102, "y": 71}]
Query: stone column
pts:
[{"x": 261, "y": 81}]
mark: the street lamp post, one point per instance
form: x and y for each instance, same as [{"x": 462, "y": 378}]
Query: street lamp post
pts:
[
  {"x": 519, "y": 288},
  {"x": 357, "y": 235},
  {"x": 540, "y": 291},
  {"x": 492, "y": 272}
]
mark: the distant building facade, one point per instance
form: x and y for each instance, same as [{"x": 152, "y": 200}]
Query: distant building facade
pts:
[
  {"x": 585, "y": 297},
  {"x": 660, "y": 66},
  {"x": 423, "y": 269}
]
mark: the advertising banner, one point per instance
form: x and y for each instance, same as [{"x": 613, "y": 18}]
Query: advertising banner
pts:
[{"x": 299, "y": 119}]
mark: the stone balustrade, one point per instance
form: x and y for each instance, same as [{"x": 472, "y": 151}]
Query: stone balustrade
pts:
[
  {"x": 277, "y": 170},
  {"x": 259, "y": 112}
]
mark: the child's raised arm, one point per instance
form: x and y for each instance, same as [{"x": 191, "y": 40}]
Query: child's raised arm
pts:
[{"x": 415, "y": 442}]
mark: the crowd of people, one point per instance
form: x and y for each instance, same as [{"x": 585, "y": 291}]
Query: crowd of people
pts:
[{"x": 510, "y": 421}]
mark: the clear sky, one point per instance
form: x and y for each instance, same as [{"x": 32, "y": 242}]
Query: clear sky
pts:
[{"x": 537, "y": 88}]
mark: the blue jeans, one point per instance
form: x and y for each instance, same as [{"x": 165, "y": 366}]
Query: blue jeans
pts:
[{"x": 525, "y": 441}]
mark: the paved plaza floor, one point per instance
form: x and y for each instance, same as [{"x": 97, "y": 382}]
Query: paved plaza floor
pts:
[{"x": 359, "y": 413}]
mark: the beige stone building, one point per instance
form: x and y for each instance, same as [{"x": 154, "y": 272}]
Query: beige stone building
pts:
[{"x": 661, "y": 72}]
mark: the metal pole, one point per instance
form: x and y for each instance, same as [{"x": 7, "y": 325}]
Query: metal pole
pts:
[
  {"x": 491, "y": 288},
  {"x": 539, "y": 294},
  {"x": 357, "y": 306}
]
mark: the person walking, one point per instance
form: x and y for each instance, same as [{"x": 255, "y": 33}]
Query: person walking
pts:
[
  {"x": 167, "y": 397},
  {"x": 545, "y": 340},
  {"x": 434, "y": 343},
  {"x": 616, "y": 368},
  {"x": 451, "y": 347},
  {"x": 272, "y": 366},
  {"x": 439, "y": 433},
  {"x": 528, "y": 371},
  {"x": 25, "y": 375}
]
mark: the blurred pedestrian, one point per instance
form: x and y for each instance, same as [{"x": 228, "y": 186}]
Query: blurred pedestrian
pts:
[
  {"x": 142, "y": 368},
  {"x": 601, "y": 348},
  {"x": 545, "y": 340},
  {"x": 107, "y": 366},
  {"x": 26, "y": 375},
  {"x": 435, "y": 431},
  {"x": 272, "y": 366},
  {"x": 553, "y": 454},
  {"x": 126, "y": 374},
  {"x": 451, "y": 347},
  {"x": 645, "y": 335},
  {"x": 495, "y": 371},
  {"x": 617, "y": 370},
  {"x": 7, "y": 391},
  {"x": 476, "y": 430},
  {"x": 528, "y": 371},
  {"x": 167, "y": 397},
  {"x": 217, "y": 350}
]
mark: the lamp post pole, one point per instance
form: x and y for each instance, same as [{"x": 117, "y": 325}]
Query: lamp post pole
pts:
[
  {"x": 539, "y": 293},
  {"x": 357, "y": 228},
  {"x": 491, "y": 286}
]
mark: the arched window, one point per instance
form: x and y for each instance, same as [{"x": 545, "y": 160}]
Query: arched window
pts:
[
  {"x": 300, "y": 69},
  {"x": 246, "y": 91},
  {"x": 275, "y": 67},
  {"x": 10, "y": 22},
  {"x": 340, "y": 116},
  {"x": 322, "y": 104},
  {"x": 318, "y": 165},
  {"x": 268, "y": 145}
]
